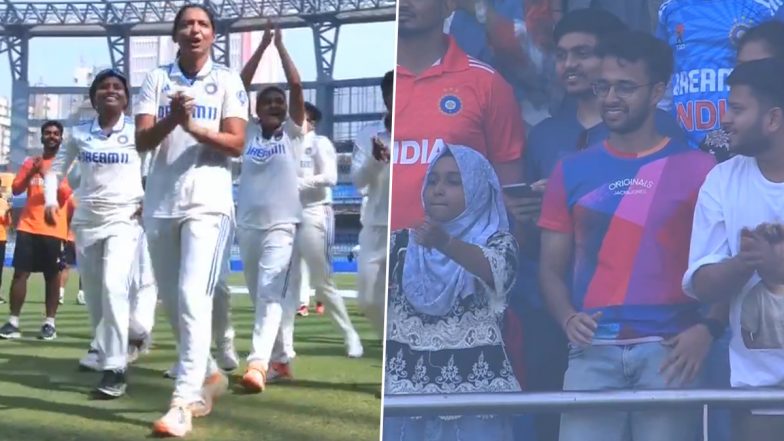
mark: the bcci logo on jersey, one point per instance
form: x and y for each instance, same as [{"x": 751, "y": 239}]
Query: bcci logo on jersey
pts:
[
  {"x": 450, "y": 103},
  {"x": 264, "y": 154},
  {"x": 739, "y": 29}
]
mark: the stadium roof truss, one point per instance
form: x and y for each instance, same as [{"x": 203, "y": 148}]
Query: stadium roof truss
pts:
[
  {"x": 117, "y": 21},
  {"x": 154, "y": 17}
]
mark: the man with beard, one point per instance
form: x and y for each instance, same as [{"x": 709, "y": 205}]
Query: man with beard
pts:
[
  {"x": 731, "y": 257},
  {"x": 576, "y": 125},
  {"x": 38, "y": 244},
  {"x": 577, "y": 65},
  {"x": 615, "y": 219}
]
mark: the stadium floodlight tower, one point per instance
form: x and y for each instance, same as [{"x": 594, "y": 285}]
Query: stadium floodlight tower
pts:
[{"x": 117, "y": 21}]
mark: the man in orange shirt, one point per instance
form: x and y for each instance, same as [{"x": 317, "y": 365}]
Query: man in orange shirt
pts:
[
  {"x": 444, "y": 96},
  {"x": 38, "y": 245},
  {"x": 5, "y": 221}
]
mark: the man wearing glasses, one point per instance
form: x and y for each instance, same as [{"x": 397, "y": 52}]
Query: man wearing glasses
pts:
[
  {"x": 575, "y": 126},
  {"x": 616, "y": 220}
]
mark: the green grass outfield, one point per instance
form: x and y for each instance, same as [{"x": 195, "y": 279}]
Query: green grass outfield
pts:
[{"x": 43, "y": 397}]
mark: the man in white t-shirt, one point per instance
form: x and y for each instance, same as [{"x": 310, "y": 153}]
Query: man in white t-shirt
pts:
[
  {"x": 370, "y": 171},
  {"x": 730, "y": 260},
  {"x": 318, "y": 173}
]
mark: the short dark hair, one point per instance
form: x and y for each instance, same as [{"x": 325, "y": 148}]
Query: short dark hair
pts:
[
  {"x": 51, "y": 123},
  {"x": 764, "y": 79},
  {"x": 771, "y": 33},
  {"x": 634, "y": 46},
  {"x": 270, "y": 89},
  {"x": 104, "y": 74},
  {"x": 178, "y": 17},
  {"x": 313, "y": 112},
  {"x": 593, "y": 21},
  {"x": 388, "y": 82}
]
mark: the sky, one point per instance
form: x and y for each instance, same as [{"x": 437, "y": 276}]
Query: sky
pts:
[{"x": 364, "y": 50}]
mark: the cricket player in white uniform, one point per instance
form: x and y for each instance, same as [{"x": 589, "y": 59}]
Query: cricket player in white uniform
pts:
[
  {"x": 370, "y": 171},
  {"x": 143, "y": 295},
  {"x": 144, "y": 290},
  {"x": 144, "y": 300},
  {"x": 105, "y": 221},
  {"x": 222, "y": 329},
  {"x": 192, "y": 114},
  {"x": 268, "y": 212},
  {"x": 318, "y": 173}
]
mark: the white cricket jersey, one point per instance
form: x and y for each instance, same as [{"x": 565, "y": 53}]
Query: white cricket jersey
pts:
[
  {"x": 110, "y": 184},
  {"x": 187, "y": 177},
  {"x": 318, "y": 170},
  {"x": 267, "y": 194},
  {"x": 372, "y": 176}
]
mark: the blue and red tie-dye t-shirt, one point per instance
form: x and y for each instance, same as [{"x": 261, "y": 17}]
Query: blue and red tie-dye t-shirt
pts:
[{"x": 631, "y": 217}]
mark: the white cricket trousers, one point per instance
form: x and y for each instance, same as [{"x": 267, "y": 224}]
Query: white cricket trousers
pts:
[
  {"x": 222, "y": 330},
  {"x": 269, "y": 263},
  {"x": 106, "y": 268},
  {"x": 315, "y": 237},
  {"x": 144, "y": 292},
  {"x": 372, "y": 268},
  {"x": 305, "y": 288},
  {"x": 186, "y": 256}
]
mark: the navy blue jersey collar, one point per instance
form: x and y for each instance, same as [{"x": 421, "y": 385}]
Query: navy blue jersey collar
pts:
[
  {"x": 176, "y": 72},
  {"x": 95, "y": 127}
]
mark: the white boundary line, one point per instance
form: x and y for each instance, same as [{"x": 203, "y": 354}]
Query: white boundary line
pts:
[{"x": 242, "y": 290}]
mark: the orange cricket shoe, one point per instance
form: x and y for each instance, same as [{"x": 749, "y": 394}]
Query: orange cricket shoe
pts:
[
  {"x": 279, "y": 372},
  {"x": 255, "y": 377}
]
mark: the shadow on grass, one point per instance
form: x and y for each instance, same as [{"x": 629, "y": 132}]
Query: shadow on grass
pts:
[
  {"x": 365, "y": 388},
  {"x": 63, "y": 375},
  {"x": 88, "y": 412}
]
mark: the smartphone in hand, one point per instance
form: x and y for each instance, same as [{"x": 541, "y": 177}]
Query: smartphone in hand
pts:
[{"x": 520, "y": 190}]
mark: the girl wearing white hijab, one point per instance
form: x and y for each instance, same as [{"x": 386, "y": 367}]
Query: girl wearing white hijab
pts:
[{"x": 448, "y": 289}]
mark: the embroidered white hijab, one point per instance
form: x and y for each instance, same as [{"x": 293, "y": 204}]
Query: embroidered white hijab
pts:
[{"x": 432, "y": 282}]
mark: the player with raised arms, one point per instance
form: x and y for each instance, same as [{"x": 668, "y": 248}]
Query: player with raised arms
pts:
[
  {"x": 192, "y": 114},
  {"x": 268, "y": 213}
]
